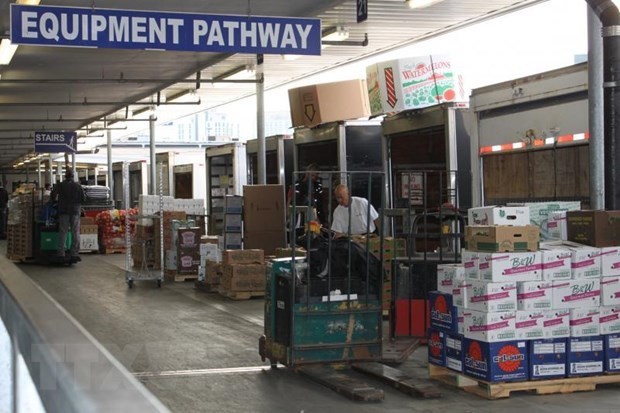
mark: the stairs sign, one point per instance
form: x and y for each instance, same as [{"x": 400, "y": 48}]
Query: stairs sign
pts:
[{"x": 55, "y": 142}]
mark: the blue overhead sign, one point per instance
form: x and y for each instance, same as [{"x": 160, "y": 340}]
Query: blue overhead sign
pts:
[
  {"x": 55, "y": 142},
  {"x": 130, "y": 29}
]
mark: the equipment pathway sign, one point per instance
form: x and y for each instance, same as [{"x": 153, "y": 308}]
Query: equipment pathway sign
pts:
[
  {"x": 55, "y": 142},
  {"x": 148, "y": 30}
]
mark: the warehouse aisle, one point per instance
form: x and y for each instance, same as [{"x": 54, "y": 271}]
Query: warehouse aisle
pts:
[{"x": 197, "y": 352}]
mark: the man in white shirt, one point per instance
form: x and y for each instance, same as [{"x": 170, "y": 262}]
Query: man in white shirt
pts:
[{"x": 359, "y": 214}]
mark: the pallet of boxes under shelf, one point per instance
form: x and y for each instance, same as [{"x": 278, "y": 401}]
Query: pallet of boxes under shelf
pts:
[
  {"x": 20, "y": 226},
  {"x": 243, "y": 274}
]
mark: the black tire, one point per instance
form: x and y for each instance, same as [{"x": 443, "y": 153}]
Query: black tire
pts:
[
  {"x": 158, "y": 283},
  {"x": 130, "y": 283}
]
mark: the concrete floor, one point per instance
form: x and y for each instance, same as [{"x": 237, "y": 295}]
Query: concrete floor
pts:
[{"x": 207, "y": 347}]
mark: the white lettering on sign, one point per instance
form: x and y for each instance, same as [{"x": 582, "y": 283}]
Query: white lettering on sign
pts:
[
  {"x": 49, "y": 137},
  {"x": 253, "y": 34}
]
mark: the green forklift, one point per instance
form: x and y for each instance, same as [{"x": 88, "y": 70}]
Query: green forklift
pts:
[{"x": 324, "y": 317}]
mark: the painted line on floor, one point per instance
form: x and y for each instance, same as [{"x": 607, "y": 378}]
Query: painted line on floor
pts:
[{"x": 202, "y": 372}]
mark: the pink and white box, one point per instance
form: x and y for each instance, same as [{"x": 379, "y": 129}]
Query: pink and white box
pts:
[
  {"x": 610, "y": 291},
  {"x": 556, "y": 264},
  {"x": 557, "y": 324},
  {"x": 609, "y": 320},
  {"x": 460, "y": 321},
  {"x": 534, "y": 295},
  {"x": 470, "y": 261},
  {"x": 510, "y": 266},
  {"x": 459, "y": 293},
  {"x": 490, "y": 327},
  {"x": 584, "y": 322},
  {"x": 492, "y": 297},
  {"x": 530, "y": 325},
  {"x": 583, "y": 293},
  {"x": 610, "y": 261},
  {"x": 447, "y": 275}
]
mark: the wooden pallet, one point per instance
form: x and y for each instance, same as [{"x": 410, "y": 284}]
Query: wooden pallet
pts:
[
  {"x": 493, "y": 391},
  {"x": 180, "y": 277},
  {"x": 206, "y": 287},
  {"x": 107, "y": 251},
  {"x": 241, "y": 295}
]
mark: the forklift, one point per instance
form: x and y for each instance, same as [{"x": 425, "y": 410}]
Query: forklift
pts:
[
  {"x": 323, "y": 310},
  {"x": 45, "y": 237}
]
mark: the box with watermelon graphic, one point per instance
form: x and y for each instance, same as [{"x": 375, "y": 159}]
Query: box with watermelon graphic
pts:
[
  {"x": 436, "y": 347},
  {"x": 495, "y": 362},
  {"x": 413, "y": 83},
  {"x": 444, "y": 315}
]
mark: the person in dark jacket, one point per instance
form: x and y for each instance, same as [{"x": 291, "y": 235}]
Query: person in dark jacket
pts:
[{"x": 70, "y": 196}]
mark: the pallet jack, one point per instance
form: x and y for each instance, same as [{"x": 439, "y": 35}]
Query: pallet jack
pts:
[{"x": 45, "y": 239}]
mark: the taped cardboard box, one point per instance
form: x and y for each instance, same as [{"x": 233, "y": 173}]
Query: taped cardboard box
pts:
[
  {"x": 329, "y": 102},
  {"x": 594, "y": 228},
  {"x": 243, "y": 277},
  {"x": 248, "y": 256},
  {"x": 502, "y": 238}
]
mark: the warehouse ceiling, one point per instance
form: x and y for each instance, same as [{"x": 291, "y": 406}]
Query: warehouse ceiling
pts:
[{"x": 83, "y": 89}]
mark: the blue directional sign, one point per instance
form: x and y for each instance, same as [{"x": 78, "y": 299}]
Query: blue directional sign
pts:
[
  {"x": 55, "y": 142},
  {"x": 134, "y": 29}
]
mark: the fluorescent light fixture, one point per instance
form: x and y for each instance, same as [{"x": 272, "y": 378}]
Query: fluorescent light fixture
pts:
[
  {"x": 290, "y": 57},
  {"x": 29, "y": 2},
  {"x": 549, "y": 141},
  {"x": 418, "y": 4},
  {"x": 335, "y": 34},
  {"x": 7, "y": 50},
  {"x": 185, "y": 96}
]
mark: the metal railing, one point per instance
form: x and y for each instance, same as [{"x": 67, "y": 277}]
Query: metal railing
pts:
[{"x": 49, "y": 363}]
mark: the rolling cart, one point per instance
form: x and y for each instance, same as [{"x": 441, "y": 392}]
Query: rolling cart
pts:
[{"x": 145, "y": 272}]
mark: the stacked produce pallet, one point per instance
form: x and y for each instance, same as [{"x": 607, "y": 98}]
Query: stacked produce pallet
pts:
[
  {"x": 210, "y": 270},
  {"x": 544, "y": 316},
  {"x": 112, "y": 230},
  {"x": 20, "y": 226},
  {"x": 243, "y": 274}
]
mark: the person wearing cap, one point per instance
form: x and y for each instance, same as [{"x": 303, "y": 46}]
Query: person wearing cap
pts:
[{"x": 70, "y": 196}]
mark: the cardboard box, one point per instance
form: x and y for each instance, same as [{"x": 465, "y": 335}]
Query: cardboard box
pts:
[
  {"x": 459, "y": 293},
  {"x": 243, "y": 277},
  {"x": 188, "y": 261},
  {"x": 530, "y": 324},
  {"x": 209, "y": 239},
  {"x": 443, "y": 313},
  {"x": 612, "y": 353},
  {"x": 584, "y": 322},
  {"x": 415, "y": 83},
  {"x": 213, "y": 273},
  {"x": 496, "y": 215},
  {"x": 87, "y": 221},
  {"x": 510, "y": 266},
  {"x": 454, "y": 352},
  {"x": 247, "y": 256},
  {"x": 436, "y": 347},
  {"x": 609, "y": 320},
  {"x": 233, "y": 223},
  {"x": 585, "y": 356},
  {"x": 89, "y": 242},
  {"x": 188, "y": 238},
  {"x": 265, "y": 208},
  {"x": 610, "y": 261},
  {"x": 89, "y": 229},
  {"x": 470, "y": 261},
  {"x": 460, "y": 321},
  {"x": 491, "y": 297},
  {"x": 534, "y": 295},
  {"x": 329, "y": 102},
  {"x": 171, "y": 260},
  {"x": 557, "y": 323},
  {"x": 502, "y": 238},
  {"x": 496, "y": 362},
  {"x": 232, "y": 241},
  {"x": 490, "y": 327},
  {"x": 556, "y": 227},
  {"x": 447, "y": 275},
  {"x": 547, "y": 358},
  {"x": 540, "y": 214},
  {"x": 594, "y": 228},
  {"x": 610, "y": 291},
  {"x": 233, "y": 204},
  {"x": 556, "y": 264},
  {"x": 268, "y": 241},
  {"x": 585, "y": 260},
  {"x": 288, "y": 252},
  {"x": 582, "y": 293}
]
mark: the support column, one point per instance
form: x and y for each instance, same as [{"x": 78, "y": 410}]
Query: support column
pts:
[
  {"x": 595, "y": 111},
  {"x": 260, "y": 121},
  {"x": 153, "y": 183}
]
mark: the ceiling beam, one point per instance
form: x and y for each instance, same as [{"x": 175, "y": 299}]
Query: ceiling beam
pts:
[{"x": 87, "y": 103}]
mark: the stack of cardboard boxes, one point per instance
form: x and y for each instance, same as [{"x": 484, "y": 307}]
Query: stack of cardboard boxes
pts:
[
  {"x": 264, "y": 217},
  {"x": 233, "y": 222},
  {"x": 88, "y": 235},
  {"x": 188, "y": 251},
  {"x": 512, "y": 311},
  {"x": 243, "y": 273},
  {"x": 210, "y": 270}
]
